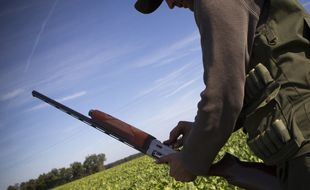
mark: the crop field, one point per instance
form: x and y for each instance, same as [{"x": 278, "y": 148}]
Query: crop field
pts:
[{"x": 143, "y": 173}]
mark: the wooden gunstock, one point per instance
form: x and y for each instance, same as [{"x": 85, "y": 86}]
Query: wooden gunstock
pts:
[{"x": 127, "y": 132}]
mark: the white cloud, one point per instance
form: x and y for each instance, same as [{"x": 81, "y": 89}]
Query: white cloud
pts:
[
  {"x": 76, "y": 68},
  {"x": 167, "y": 52},
  {"x": 168, "y": 60},
  {"x": 39, "y": 35},
  {"x": 306, "y": 4},
  {"x": 197, "y": 48},
  {"x": 182, "y": 87},
  {"x": 73, "y": 96},
  {"x": 63, "y": 99},
  {"x": 37, "y": 107},
  {"x": 12, "y": 94},
  {"x": 182, "y": 108},
  {"x": 169, "y": 84},
  {"x": 165, "y": 81}
]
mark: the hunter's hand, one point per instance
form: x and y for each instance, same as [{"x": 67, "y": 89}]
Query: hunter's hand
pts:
[
  {"x": 179, "y": 134},
  {"x": 177, "y": 167}
]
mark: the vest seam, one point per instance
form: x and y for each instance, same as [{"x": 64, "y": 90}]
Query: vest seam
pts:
[
  {"x": 284, "y": 74},
  {"x": 249, "y": 9}
]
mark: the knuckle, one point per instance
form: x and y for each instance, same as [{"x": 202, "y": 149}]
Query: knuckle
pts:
[
  {"x": 172, "y": 136},
  {"x": 180, "y": 123},
  {"x": 171, "y": 173}
]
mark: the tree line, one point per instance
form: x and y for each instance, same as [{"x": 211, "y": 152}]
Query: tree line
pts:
[{"x": 92, "y": 164}]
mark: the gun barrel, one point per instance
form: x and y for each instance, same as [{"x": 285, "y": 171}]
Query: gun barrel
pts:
[{"x": 63, "y": 108}]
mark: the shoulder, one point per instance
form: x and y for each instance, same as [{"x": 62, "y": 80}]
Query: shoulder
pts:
[{"x": 231, "y": 7}]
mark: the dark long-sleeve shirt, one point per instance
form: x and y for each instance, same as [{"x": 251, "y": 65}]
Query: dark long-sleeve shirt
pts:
[{"x": 227, "y": 29}]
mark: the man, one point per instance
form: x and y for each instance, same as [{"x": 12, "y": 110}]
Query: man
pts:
[{"x": 257, "y": 76}]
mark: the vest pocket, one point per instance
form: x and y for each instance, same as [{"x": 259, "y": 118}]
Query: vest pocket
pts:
[
  {"x": 271, "y": 124},
  {"x": 276, "y": 136}
]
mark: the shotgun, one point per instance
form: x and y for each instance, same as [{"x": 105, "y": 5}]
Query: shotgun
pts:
[
  {"x": 115, "y": 128},
  {"x": 248, "y": 175}
]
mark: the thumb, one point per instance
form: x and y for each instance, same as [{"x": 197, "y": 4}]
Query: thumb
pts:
[
  {"x": 163, "y": 159},
  {"x": 174, "y": 134},
  {"x": 169, "y": 142}
]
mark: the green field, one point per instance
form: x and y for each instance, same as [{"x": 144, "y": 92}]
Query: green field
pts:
[{"x": 143, "y": 173}]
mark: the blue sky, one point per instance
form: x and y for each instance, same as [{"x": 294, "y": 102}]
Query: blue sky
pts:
[{"x": 143, "y": 69}]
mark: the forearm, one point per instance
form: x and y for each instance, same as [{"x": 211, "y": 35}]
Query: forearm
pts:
[
  {"x": 224, "y": 28},
  {"x": 200, "y": 149},
  {"x": 247, "y": 175}
]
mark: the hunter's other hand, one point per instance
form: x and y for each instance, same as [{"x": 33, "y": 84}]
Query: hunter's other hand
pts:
[
  {"x": 177, "y": 167},
  {"x": 179, "y": 134}
]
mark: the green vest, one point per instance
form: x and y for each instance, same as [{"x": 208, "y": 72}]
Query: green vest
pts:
[{"x": 276, "y": 113}]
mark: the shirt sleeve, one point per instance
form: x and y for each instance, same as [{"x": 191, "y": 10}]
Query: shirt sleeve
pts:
[{"x": 227, "y": 32}]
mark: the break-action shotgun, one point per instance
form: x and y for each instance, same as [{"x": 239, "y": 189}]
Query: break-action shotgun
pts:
[
  {"x": 115, "y": 128},
  {"x": 248, "y": 175}
]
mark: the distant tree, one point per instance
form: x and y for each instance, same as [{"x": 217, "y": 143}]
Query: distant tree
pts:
[
  {"x": 77, "y": 170},
  {"x": 41, "y": 182},
  {"x": 15, "y": 187},
  {"x": 22, "y": 186},
  {"x": 30, "y": 185},
  {"x": 65, "y": 175},
  {"x": 51, "y": 178},
  {"x": 94, "y": 163}
]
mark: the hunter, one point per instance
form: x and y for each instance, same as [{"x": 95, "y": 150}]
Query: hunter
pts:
[{"x": 256, "y": 60}]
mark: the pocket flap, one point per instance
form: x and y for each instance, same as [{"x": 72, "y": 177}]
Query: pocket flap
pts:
[{"x": 270, "y": 93}]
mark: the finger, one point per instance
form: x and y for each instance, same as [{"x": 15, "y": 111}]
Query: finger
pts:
[
  {"x": 179, "y": 143},
  {"x": 176, "y": 132},
  {"x": 167, "y": 142},
  {"x": 163, "y": 160},
  {"x": 172, "y": 138},
  {"x": 184, "y": 177},
  {"x": 175, "y": 174},
  {"x": 171, "y": 173},
  {"x": 181, "y": 129}
]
